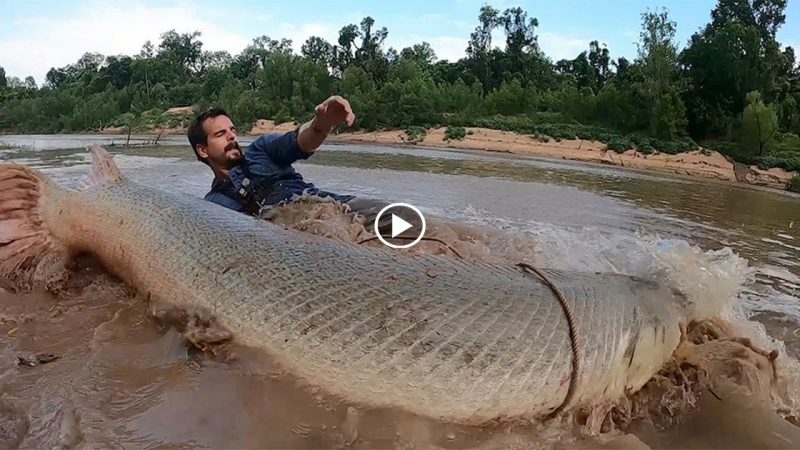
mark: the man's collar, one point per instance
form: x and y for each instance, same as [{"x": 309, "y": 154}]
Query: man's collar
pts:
[{"x": 218, "y": 181}]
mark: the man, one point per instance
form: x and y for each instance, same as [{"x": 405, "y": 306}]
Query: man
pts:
[{"x": 262, "y": 176}]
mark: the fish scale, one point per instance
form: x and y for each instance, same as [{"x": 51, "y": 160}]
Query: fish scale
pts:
[{"x": 457, "y": 340}]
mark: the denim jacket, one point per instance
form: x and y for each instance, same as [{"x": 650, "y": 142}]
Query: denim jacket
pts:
[{"x": 265, "y": 176}]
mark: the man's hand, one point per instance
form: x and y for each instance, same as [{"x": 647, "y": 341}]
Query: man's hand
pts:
[
  {"x": 327, "y": 115},
  {"x": 331, "y": 113}
]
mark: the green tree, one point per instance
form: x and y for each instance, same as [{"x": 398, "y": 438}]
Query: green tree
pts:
[
  {"x": 182, "y": 49},
  {"x": 214, "y": 60},
  {"x": 3, "y": 81},
  {"x": 662, "y": 85},
  {"x": 459, "y": 98},
  {"x": 359, "y": 88},
  {"x": 119, "y": 70},
  {"x": 599, "y": 59},
  {"x": 510, "y": 98},
  {"x": 318, "y": 50},
  {"x": 368, "y": 55},
  {"x": 522, "y": 57},
  {"x": 734, "y": 54},
  {"x": 15, "y": 82},
  {"x": 421, "y": 54},
  {"x": 759, "y": 125},
  {"x": 589, "y": 69},
  {"x": 480, "y": 45}
]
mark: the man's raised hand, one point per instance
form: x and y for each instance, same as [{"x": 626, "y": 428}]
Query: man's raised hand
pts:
[{"x": 333, "y": 112}]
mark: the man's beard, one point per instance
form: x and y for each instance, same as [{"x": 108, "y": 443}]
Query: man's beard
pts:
[{"x": 233, "y": 153}]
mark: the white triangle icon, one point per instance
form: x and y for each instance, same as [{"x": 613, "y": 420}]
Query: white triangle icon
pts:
[{"x": 399, "y": 225}]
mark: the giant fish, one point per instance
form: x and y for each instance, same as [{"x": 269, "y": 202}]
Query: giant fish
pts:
[{"x": 460, "y": 341}]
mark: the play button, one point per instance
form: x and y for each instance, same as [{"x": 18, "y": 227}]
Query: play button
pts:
[
  {"x": 399, "y": 225},
  {"x": 404, "y": 217}
]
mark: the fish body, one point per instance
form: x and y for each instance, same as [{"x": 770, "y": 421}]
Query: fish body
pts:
[{"x": 460, "y": 341}]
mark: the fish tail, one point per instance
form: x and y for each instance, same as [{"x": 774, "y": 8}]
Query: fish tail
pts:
[
  {"x": 29, "y": 253},
  {"x": 104, "y": 169}
]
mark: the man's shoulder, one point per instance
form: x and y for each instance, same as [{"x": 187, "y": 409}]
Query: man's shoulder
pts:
[
  {"x": 272, "y": 136},
  {"x": 224, "y": 193},
  {"x": 268, "y": 141},
  {"x": 279, "y": 147}
]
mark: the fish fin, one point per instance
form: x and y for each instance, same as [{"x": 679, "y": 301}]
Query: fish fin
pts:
[
  {"x": 104, "y": 169},
  {"x": 29, "y": 253}
]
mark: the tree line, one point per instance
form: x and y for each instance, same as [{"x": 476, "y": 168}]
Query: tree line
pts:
[{"x": 733, "y": 87}]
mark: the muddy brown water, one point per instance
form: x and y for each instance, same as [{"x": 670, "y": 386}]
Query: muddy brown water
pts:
[{"x": 123, "y": 378}]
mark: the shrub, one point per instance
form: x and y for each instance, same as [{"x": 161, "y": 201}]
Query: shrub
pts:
[
  {"x": 794, "y": 183},
  {"x": 455, "y": 133},
  {"x": 620, "y": 144},
  {"x": 415, "y": 133}
]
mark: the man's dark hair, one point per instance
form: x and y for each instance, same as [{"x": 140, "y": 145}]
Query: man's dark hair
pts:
[{"x": 197, "y": 134}]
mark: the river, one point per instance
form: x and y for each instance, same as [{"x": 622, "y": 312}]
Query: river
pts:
[{"x": 124, "y": 380}]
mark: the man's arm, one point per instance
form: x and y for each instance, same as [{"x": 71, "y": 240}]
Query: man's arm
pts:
[
  {"x": 283, "y": 150},
  {"x": 273, "y": 148},
  {"x": 328, "y": 115}
]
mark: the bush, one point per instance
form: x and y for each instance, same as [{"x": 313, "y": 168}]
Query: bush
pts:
[
  {"x": 674, "y": 146},
  {"x": 416, "y": 134},
  {"x": 785, "y": 155},
  {"x": 455, "y": 133},
  {"x": 794, "y": 184},
  {"x": 647, "y": 150},
  {"x": 787, "y": 162},
  {"x": 620, "y": 144}
]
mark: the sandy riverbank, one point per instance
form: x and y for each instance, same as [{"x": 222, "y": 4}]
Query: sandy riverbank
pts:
[
  {"x": 699, "y": 163},
  {"x": 696, "y": 163}
]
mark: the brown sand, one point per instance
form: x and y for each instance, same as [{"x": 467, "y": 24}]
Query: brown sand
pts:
[{"x": 710, "y": 165}]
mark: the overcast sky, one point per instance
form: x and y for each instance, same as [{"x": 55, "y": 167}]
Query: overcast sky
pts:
[{"x": 37, "y": 35}]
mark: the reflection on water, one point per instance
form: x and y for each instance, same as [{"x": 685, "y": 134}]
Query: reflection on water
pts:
[{"x": 132, "y": 379}]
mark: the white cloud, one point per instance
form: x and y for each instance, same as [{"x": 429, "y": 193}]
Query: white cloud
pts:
[
  {"x": 109, "y": 29},
  {"x": 299, "y": 34},
  {"x": 449, "y": 48},
  {"x": 558, "y": 46},
  {"x": 446, "y": 47}
]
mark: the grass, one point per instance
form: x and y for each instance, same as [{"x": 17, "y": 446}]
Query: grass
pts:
[
  {"x": 545, "y": 127},
  {"x": 784, "y": 153},
  {"x": 794, "y": 184}
]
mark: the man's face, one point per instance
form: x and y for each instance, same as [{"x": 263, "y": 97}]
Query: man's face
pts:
[{"x": 222, "y": 150}]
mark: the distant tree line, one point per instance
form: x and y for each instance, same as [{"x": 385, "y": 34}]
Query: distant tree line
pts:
[{"x": 733, "y": 87}]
